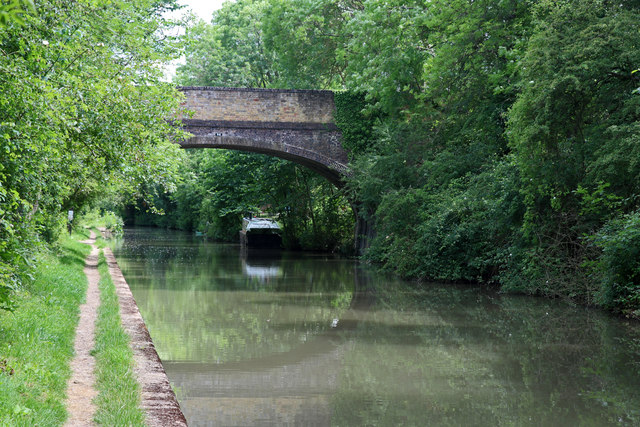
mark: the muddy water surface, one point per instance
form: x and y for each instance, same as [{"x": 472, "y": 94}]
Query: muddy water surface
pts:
[{"x": 270, "y": 339}]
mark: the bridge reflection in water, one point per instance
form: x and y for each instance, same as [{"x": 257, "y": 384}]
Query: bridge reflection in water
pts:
[
  {"x": 288, "y": 389},
  {"x": 294, "y": 387},
  {"x": 293, "y": 340}
]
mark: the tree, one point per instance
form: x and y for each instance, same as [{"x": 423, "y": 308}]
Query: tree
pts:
[
  {"x": 573, "y": 130},
  {"x": 81, "y": 105},
  {"x": 230, "y": 51},
  {"x": 308, "y": 39}
]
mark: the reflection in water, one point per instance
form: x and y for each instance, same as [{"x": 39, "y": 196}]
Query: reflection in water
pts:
[
  {"x": 261, "y": 264},
  {"x": 314, "y": 340}
]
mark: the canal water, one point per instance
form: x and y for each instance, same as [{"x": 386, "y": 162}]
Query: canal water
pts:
[{"x": 293, "y": 339}]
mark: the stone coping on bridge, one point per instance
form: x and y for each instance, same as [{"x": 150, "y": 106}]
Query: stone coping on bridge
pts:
[{"x": 254, "y": 89}]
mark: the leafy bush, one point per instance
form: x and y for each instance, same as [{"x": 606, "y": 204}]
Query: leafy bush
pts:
[
  {"x": 8, "y": 285},
  {"x": 463, "y": 231},
  {"x": 619, "y": 264},
  {"x": 107, "y": 219}
]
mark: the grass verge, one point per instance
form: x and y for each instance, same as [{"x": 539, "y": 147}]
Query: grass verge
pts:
[
  {"x": 118, "y": 400},
  {"x": 36, "y": 340}
]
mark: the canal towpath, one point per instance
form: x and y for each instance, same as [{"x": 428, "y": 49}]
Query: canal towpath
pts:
[{"x": 158, "y": 400}]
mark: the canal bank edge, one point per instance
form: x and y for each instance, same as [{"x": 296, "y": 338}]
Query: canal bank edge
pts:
[{"x": 158, "y": 399}]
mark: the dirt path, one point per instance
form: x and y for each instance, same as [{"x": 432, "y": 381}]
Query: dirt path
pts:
[{"x": 80, "y": 388}]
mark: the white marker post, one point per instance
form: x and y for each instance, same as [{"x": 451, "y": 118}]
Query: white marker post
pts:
[{"x": 69, "y": 221}]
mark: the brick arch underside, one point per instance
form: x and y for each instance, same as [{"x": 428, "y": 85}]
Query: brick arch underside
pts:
[{"x": 316, "y": 148}]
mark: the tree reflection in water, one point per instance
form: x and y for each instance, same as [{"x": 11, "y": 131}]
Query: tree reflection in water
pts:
[{"x": 313, "y": 340}]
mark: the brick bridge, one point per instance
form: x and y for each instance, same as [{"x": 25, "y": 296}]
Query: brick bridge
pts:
[{"x": 296, "y": 125}]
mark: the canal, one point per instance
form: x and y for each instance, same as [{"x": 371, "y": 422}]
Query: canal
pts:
[{"x": 313, "y": 340}]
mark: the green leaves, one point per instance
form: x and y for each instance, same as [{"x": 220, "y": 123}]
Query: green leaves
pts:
[
  {"x": 355, "y": 126},
  {"x": 229, "y": 51},
  {"x": 387, "y": 51},
  {"x": 13, "y": 11},
  {"x": 308, "y": 39},
  {"x": 574, "y": 100},
  {"x": 511, "y": 128},
  {"x": 82, "y": 107},
  {"x": 619, "y": 265},
  {"x": 573, "y": 129}
]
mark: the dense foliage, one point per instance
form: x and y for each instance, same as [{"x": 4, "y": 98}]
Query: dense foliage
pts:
[
  {"x": 219, "y": 187},
  {"x": 501, "y": 138},
  {"x": 81, "y": 111},
  {"x": 490, "y": 140}
]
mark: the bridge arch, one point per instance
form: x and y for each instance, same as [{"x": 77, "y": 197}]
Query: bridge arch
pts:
[{"x": 296, "y": 125}]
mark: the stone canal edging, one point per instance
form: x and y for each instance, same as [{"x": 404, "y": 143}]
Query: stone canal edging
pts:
[{"x": 158, "y": 399}]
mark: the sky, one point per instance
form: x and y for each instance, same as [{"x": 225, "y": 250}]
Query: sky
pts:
[{"x": 202, "y": 8}]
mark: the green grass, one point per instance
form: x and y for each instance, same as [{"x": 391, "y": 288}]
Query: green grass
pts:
[
  {"x": 36, "y": 344},
  {"x": 36, "y": 341},
  {"x": 119, "y": 393}
]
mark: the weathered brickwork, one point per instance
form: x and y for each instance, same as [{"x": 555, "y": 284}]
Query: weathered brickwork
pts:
[
  {"x": 293, "y": 124},
  {"x": 259, "y": 105}
]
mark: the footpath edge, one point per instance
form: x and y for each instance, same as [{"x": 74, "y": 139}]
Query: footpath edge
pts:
[{"x": 158, "y": 399}]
